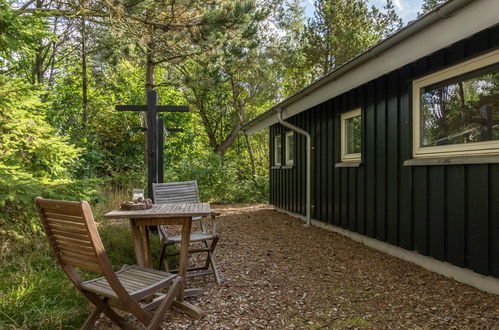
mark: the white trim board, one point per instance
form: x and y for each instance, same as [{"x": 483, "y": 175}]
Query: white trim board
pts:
[
  {"x": 466, "y": 22},
  {"x": 346, "y": 157},
  {"x": 485, "y": 283}
]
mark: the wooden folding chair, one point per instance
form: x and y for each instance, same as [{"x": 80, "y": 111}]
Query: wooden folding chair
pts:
[
  {"x": 75, "y": 243},
  {"x": 187, "y": 192}
]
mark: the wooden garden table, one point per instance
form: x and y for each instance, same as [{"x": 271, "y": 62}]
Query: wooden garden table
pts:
[{"x": 164, "y": 214}]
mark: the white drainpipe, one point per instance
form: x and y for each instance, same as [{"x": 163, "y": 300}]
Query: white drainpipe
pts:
[{"x": 308, "y": 169}]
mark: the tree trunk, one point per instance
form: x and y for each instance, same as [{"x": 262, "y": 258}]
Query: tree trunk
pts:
[
  {"x": 37, "y": 66},
  {"x": 251, "y": 154},
  {"x": 37, "y": 74},
  {"x": 150, "y": 73},
  {"x": 84, "y": 77},
  {"x": 240, "y": 106},
  {"x": 51, "y": 67},
  {"x": 150, "y": 66},
  {"x": 207, "y": 127}
]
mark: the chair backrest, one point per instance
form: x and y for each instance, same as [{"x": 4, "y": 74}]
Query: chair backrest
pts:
[
  {"x": 72, "y": 234},
  {"x": 176, "y": 192}
]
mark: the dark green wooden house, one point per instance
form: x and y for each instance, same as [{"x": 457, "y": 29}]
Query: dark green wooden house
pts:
[{"x": 404, "y": 145}]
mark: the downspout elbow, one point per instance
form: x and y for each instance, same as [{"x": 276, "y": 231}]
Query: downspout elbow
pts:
[
  {"x": 308, "y": 163},
  {"x": 291, "y": 126}
]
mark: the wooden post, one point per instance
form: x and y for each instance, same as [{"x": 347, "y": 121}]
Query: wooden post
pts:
[
  {"x": 161, "y": 145},
  {"x": 155, "y": 135},
  {"x": 152, "y": 141}
]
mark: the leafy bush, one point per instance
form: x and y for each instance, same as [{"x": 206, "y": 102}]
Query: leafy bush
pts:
[
  {"x": 18, "y": 190},
  {"x": 26, "y": 139},
  {"x": 219, "y": 180}
]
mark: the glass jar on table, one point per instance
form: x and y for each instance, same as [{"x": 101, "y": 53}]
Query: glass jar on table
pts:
[{"x": 137, "y": 193}]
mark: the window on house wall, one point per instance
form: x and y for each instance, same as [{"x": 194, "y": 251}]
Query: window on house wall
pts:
[
  {"x": 277, "y": 150},
  {"x": 351, "y": 136},
  {"x": 290, "y": 148},
  {"x": 456, "y": 110}
]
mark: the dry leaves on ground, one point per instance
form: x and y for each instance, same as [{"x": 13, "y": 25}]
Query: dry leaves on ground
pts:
[{"x": 279, "y": 274}]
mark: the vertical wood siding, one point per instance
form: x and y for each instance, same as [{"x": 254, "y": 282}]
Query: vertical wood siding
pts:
[{"x": 450, "y": 213}]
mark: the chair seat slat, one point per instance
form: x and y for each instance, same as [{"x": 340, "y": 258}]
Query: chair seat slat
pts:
[
  {"x": 126, "y": 277},
  {"x": 138, "y": 279},
  {"x": 146, "y": 279},
  {"x": 149, "y": 271},
  {"x": 101, "y": 290},
  {"x": 133, "y": 281},
  {"x": 193, "y": 238},
  {"x": 130, "y": 286}
]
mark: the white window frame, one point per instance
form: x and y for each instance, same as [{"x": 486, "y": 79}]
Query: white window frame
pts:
[
  {"x": 357, "y": 157},
  {"x": 453, "y": 150},
  {"x": 288, "y": 161},
  {"x": 277, "y": 143}
]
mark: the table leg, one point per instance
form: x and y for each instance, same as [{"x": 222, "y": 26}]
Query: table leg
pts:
[
  {"x": 184, "y": 252},
  {"x": 146, "y": 246},
  {"x": 191, "y": 310},
  {"x": 137, "y": 243}
]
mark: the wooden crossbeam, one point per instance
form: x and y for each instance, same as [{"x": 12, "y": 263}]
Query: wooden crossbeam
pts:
[
  {"x": 159, "y": 108},
  {"x": 174, "y": 130},
  {"x": 155, "y": 134}
]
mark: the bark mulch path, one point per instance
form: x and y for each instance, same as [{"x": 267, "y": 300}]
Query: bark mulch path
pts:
[{"x": 279, "y": 274}]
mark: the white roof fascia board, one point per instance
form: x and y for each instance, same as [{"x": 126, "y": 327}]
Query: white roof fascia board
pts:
[{"x": 477, "y": 16}]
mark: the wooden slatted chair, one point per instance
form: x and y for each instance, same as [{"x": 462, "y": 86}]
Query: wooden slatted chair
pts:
[
  {"x": 187, "y": 192},
  {"x": 75, "y": 243}
]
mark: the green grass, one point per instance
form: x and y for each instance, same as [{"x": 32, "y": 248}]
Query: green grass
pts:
[{"x": 35, "y": 293}]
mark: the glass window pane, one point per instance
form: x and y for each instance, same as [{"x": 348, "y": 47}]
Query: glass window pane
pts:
[
  {"x": 290, "y": 146},
  {"x": 278, "y": 149},
  {"x": 464, "y": 109},
  {"x": 353, "y": 135}
]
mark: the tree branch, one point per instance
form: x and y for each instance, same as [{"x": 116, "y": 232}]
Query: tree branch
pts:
[
  {"x": 222, "y": 148},
  {"x": 196, "y": 21}
]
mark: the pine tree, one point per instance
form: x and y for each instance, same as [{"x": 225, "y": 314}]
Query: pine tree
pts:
[
  {"x": 429, "y": 5},
  {"x": 341, "y": 29}
]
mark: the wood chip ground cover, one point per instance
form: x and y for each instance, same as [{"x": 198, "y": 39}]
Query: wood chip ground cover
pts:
[{"x": 281, "y": 275}]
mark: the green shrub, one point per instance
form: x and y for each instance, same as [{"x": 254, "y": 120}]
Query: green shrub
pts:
[
  {"x": 18, "y": 190},
  {"x": 219, "y": 180},
  {"x": 127, "y": 180}
]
